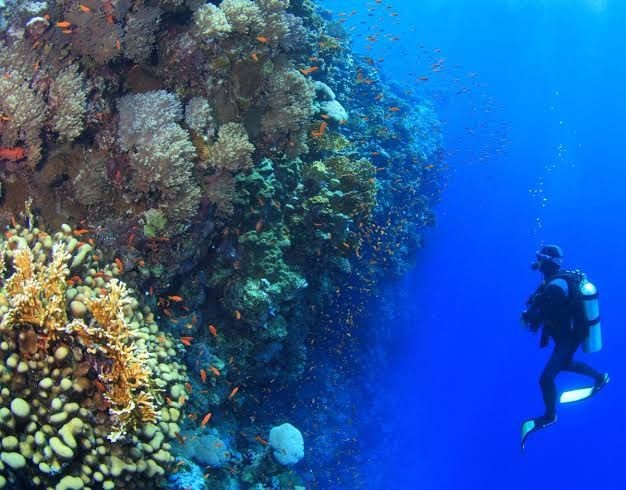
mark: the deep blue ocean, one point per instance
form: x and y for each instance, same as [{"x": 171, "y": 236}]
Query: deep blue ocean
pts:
[{"x": 532, "y": 95}]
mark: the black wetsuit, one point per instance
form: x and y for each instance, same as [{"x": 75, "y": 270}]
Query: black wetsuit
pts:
[{"x": 551, "y": 307}]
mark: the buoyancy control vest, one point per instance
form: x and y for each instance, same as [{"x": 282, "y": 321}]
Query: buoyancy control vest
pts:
[{"x": 584, "y": 307}]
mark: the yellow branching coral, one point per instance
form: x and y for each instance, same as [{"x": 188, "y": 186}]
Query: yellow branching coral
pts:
[
  {"x": 128, "y": 379},
  {"x": 36, "y": 291}
]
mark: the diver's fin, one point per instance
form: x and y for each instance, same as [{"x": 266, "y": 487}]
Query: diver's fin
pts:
[
  {"x": 582, "y": 393},
  {"x": 532, "y": 425},
  {"x": 576, "y": 395}
]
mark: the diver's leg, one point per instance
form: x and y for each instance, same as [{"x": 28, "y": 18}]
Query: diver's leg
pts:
[
  {"x": 584, "y": 369},
  {"x": 557, "y": 361}
]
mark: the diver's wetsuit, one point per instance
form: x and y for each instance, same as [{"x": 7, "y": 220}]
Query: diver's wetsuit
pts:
[{"x": 551, "y": 307}]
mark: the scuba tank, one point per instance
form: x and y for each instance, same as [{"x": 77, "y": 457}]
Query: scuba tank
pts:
[{"x": 591, "y": 311}]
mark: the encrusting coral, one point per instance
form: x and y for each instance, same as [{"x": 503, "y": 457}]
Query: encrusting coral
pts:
[{"x": 84, "y": 371}]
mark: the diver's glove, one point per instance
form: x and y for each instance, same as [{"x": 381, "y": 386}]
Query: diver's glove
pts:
[{"x": 527, "y": 322}]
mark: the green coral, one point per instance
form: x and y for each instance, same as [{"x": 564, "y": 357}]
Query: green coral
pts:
[{"x": 154, "y": 222}]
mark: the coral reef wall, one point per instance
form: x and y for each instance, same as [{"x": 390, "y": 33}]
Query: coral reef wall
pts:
[{"x": 248, "y": 178}]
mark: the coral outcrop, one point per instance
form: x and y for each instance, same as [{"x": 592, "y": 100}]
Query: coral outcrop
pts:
[{"x": 84, "y": 371}]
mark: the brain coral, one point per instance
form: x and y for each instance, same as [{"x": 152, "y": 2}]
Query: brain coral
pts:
[{"x": 82, "y": 372}]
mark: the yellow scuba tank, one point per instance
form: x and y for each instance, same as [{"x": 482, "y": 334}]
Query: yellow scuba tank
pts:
[{"x": 591, "y": 309}]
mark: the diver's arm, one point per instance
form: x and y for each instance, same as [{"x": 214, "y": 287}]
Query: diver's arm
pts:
[{"x": 549, "y": 304}]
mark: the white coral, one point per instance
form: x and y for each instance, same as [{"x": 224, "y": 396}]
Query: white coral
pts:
[
  {"x": 211, "y": 23},
  {"x": 232, "y": 151},
  {"x": 243, "y": 15},
  {"x": 68, "y": 102}
]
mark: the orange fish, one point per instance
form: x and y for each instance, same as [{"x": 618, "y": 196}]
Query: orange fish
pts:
[
  {"x": 188, "y": 387},
  {"x": 203, "y": 375},
  {"x": 394, "y": 109},
  {"x": 64, "y": 24},
  {"x": 320, "y": 132},
  {"x": 215, "y": 371},
  {"x": 176, "y": 298},
  {"x": 234, "y": 392},
  {"x": 13, "y": 154},
  {"x": 213, "y": 330},
  {"x": 119, "y": 264},
  {"x": 84, "y": 8},
  {"x": 186, "y": 341},
  {"x": 206, "y": 419},
  {"x": 258, "y": 226},
  {"x": 262, "y": 39},
  {"x": 307, "y": 71},
  {"x": 81, "y": 232},
  {"x": 261, "y": 440},
  {"x": 254, "y": 57}
]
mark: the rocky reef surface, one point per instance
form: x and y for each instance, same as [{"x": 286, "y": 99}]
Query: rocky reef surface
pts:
[{"x": 201, "y": 200}]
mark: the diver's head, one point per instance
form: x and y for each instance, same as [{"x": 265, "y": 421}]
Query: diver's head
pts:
[{"x": 549, "y": 259}]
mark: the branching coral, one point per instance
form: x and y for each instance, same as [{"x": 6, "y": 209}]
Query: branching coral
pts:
[
  {"x": 36, "y": 291},
  {"x": 22, "y": 108},
  {"x": 232, "y": 151},
  {"x": 97, "y": 33},
  {"x": 80, "y": 365},
  {"x": 290, "y": 99},
  {"x": 243, "y": 15},
  {"x": 67, "y": 101},
  {"x": 139, "y": 33},
  {"x": 210, "y": 22},
  {"x": 160, "y": 152}
]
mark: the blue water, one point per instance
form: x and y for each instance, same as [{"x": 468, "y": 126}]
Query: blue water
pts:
[{"x": 551, "y": 74}]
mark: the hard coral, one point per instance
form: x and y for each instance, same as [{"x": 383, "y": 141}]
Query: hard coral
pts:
[
  {"x": 232, "y": 151},
  {"x": 80, "y": 377},
  {"x": 210, "y": 22}
]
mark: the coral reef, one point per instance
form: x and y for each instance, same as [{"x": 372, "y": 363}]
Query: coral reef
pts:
[
  {"x": 240, "y": 170},
  {"x": 82, "y": 374}
]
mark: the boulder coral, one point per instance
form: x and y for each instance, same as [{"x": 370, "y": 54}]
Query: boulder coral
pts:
[{"x": 84, "y": 370}]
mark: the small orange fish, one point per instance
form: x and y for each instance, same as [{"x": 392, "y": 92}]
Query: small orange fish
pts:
[
  {"x": 394, "y": 109},
  {"x": 215, "y": 371},
  {"x": 186, "y": 341},
  {"x": 261, "y": 440},
  {"x": 213, "y": 330},
  {"x": 176, "y": 298},
  {"x": 13, "y": 154},
  {"x": 320, "y": 132},
  {"x": 262, "y": 39},
  {"x": 206, "y": 419},
  {"x": 81, "y": 232},
  {"x": 84, "y": 8},
  {"x": 237, "y": 315},
  {"x": 64, "y": 24},
  {"x": 308, "y": 71},
  {"x": 188, "y": 387},
  {"x": 118, "y": 45},
  {"x": 259, "y": 226},
  {"x": 234, "y": 392},
  {"x": 119, "y": 264},
  {"x": 203, "y": 375},
  {"x": 254, "y": 57}
]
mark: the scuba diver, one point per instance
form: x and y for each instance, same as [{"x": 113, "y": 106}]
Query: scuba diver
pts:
[{"x": 566, "y": 305}]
